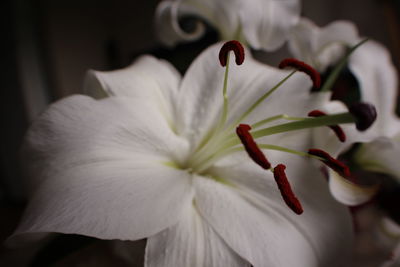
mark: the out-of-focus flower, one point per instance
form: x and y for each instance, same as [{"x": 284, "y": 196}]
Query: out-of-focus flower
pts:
[
  {"x": 394, "y": 261},
  {"x": 159, "y": 159},
  {"x": 321, "y": 47},
  {"x": 262, "y": 24},
  {"x": 376, "y": 76}
]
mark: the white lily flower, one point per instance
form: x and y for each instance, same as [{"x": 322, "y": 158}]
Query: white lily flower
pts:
[
  {"x": 373, "y": 69},
  {"x": 262, "y": 24},
  {"x": 157, "y": 160}
]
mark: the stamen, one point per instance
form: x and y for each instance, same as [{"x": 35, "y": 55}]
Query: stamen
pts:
[
  {"x": 286, "y": 191},
  {"x": 335, "y": 128},
  {"x": 365, "y": 114},
  {"x": 251, "y": 147},
  {"x": 331, "y": 162},
  {"x": 303, "y": 67},
  {"x": 234, "y": 46}
]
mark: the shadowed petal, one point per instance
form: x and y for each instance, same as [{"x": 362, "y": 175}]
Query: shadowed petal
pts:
[
  {"x": 255, "y": 222},
  {"x": 191, "y": 242}
]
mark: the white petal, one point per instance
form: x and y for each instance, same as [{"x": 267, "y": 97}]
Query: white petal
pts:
[
  {"x": 380, "y": 155},
  {"x": 147, "y": 78},
  {"x": 302, "y": 39},
  {"x": 349, "y": 193},
  {"x": 322, "y": 47},
  {"x": 191, "y": 242},
  {"x": 123, "y": 202},
  {"x": 266, "y": 233},
  {"x": 266, "y": 24},
  {"x": 101, "y": 165},
  {"x": 80, "y": 130},
  {"x": 372, "y": 66}
]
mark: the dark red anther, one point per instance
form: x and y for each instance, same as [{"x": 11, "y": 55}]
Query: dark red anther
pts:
[
  {"x": 335, "y": 128},
  {"x": 365, "y": 114},
  {"x": 251, "y": 147},
  {"x": 234, "y": 46},
  {"x": 286, "y": 190},
  {"x": 303, "y": 67},
  {"x": 331, "y": 162}
]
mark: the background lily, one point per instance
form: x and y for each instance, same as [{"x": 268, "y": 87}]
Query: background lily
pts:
[
  {"x": 371, "y": 66},
  {"x": 262, "y": 24},
  {"x": 376, "y": 78},
  {"x": 127, "y": 167},
  {"x": 321, "y": 47}
]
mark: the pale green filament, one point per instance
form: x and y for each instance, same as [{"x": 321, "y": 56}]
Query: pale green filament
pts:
[
  {"x": 216, "y": 136},
  {"x": 220, "y": 154},
  {"x": 263, "y": 97},
  {"x": 287, "y": 150},
  {"x": 224, "y": 114},
  {"x": 274, "y": 118},
  {"x": 210, "y": 160},
  {"x": 223, "y": 147},
  {"x": 225, "y": 95},
  {"x": 306, "y": 123}
]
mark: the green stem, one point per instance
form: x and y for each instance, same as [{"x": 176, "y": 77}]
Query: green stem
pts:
[
  {"x": 297, "y": 125},
  {"x": 224, "y": 94},
  {"x": 339, "y": 67},
  {"x": 274, "y": 118},
  {"x": 287, "y": 150},
  {"x": 306, "y": 123}
]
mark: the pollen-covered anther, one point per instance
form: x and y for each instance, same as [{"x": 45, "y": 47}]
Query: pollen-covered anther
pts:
[
  {"x": 251, "y": 147},
  {"x": 331, "y": 162},
  {"x": 365, "y": 114},
  {"x": 286, "y": 190},
  {"x": 303, "y": 67},
  {"x": 234, "y": 46},
  {"x": 335, "y": 128}
]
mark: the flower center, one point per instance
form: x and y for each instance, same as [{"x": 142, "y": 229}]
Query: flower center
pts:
[{"x": 222, "y": 139}]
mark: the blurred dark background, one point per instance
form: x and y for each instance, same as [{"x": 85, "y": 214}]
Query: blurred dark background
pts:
[{"x": 48, "y": 45}]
